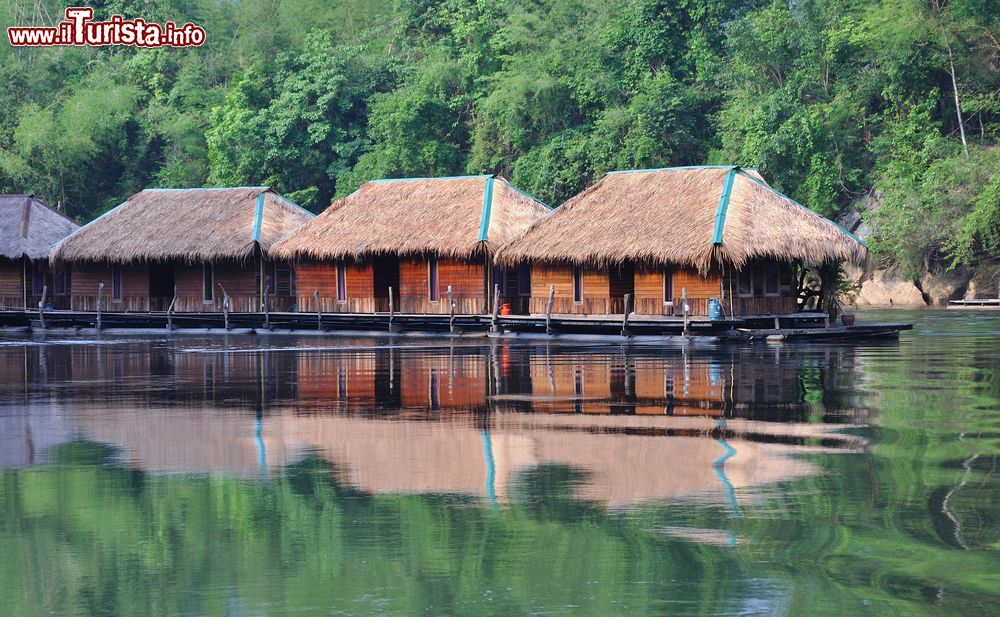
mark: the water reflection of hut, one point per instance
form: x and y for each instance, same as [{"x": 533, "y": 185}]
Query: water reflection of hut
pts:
[
  {"x": 203, "y": 243},
  {"x": 418, "y": 237},
  {"x": 28, "y": 229},
  {"x": 712, "y": 232}
]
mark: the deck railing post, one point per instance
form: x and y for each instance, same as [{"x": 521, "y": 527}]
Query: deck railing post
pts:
[
  {"x": 494, "y": 322},
  {"x": 319, "y": 311},
  {"x": 451, "y": 311},
  {"x": 548, "y": 309},
  {"x": 100, "y": 300},
  {"x": 685, "y": 309},
  {"x": 264, "y": 307},
  {"x": 225, "y": 307},
  {"x": 392, "y": 310},
  {"x": 41, "y": 305},
  {"x": 170, "y": 310},
  {"x": 628, "y": 311}
]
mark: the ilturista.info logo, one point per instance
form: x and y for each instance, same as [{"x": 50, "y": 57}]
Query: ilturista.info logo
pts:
[{"x": 80, "y": 29}]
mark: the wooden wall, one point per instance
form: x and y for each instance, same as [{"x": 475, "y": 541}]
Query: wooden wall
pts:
[
  {"x": 467, "y": 279},
  {"x": 596, "y": 291},
  {"x": 240, "y": 279},
  {"x": 602, "y": 294},
  {"x": 322, "y": 276},
  {"x": 649, "y": 290},
  {"x": 759, "y": 302},
  {"x": 11, "y": 284},
  {"x": 86, "y": 280}
]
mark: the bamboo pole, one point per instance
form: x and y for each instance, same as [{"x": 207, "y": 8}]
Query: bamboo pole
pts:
[
  {"x": 100, "y": 300},
  {"x": 548, "y": 309},
  {"x": 170, "y": 310},
  {"x": 319, "y": 311},
  {"x": 225, "y": 306},
  {"x": 628, "y": 311},
  {"x": 494, "y": 322},
  {"x": 451, "y": 311},
  {"x": 41, "y": 306},
  {"x": 392, "y": 309},
  {"x": 685, "y": 309},
  {"x": 264, "y": 307}
]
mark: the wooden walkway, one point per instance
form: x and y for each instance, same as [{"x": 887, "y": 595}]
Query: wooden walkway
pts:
[
  {"x": 983, "y": 304},
  {"x": 788, "y": 326}
]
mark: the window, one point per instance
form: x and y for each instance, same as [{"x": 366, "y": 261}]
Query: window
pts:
[
  {"x": 668, "y": 285},
  {"x": 433, "y": 288},
  {"x": 341, "y": 282},
  {"x": 60, "y": 282},
  {"x": 771, "y": 283},
  {"x": 744, "y": 284},
  {"x": 577, "y": 284},
  {"x": 116, "y": 283},
  {"x": 524, "y": 280},
  {"x": 207, "y": 282}
]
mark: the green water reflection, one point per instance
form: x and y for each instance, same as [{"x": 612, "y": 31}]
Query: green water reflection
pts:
[{"x": 904, "y": 518}]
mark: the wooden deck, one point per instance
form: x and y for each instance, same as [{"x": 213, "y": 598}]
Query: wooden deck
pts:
[{"x": 757, "y": 327}]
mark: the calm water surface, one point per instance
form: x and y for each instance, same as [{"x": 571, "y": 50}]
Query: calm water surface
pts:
[{"x": 281, "y": 475}]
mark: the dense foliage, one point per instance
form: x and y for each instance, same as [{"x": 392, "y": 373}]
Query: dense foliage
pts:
[{"x": 842, "y": 103}]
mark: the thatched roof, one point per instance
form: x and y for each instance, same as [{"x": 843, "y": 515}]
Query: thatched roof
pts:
[
  {"x": 452, "y": 217},
  {"x": 695, "y": 216},
  {"x": 29, "y": 228},
  {"x": 189, "y": 225}
]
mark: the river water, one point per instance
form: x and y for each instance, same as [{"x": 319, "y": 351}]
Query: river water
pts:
[{"x": 299, "y": 475}]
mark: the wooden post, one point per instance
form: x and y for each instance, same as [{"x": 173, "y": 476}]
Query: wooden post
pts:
[
  {"x": 170, "y": 310},
  {"x": 319, "y": 312},
  {"x": 548, "y": 309},
  {"x": 451, "y": 312},
  {"x": 628, "y": 311},
  {"x": 777, "y": 322},
  {"x": 494, "y": 322},
  {"x": 225, "y": 306},
  {"x": 264, "y": 308},
  {"x": 100, "y": 299},
  {"x": 685, "y": 308},
  {"x": 392, "y": 309},
  {"x": 41, "y": 306}
]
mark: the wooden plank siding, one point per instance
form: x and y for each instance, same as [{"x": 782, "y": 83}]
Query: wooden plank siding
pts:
[
  {"x": 86, "y": 283},
  {"x": 322, "y": 277},
  {"x": 241, "y": 280},
  {"x": 596, "y": 298},
  {"x": 602, "y": 294},
  {"x": 467, "y": 279},
  {"x": 11, "y": 284}
]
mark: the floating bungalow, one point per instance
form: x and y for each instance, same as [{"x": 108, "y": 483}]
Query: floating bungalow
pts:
[
  {"x": 195, "y": 248},
  {"x": 662, "y": 234},
  {"x": 418, "y": 237},
  {"x": 28, "y": 229}
]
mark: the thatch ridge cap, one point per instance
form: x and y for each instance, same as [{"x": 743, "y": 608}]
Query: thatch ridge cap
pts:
[
  {"x": 431, "y": 178},
  {"x": 677, "y": 168}
]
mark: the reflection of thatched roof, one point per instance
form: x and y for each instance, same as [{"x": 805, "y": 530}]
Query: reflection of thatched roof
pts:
[
  {"x": 453, "y": 217},
  {"x": 695, "y": 216},
  {"x": 29, "y": 228},
  {"x": 185, "y": 224}
]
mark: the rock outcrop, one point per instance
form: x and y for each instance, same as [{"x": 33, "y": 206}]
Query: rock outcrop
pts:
[{"x": 884, "y": 288}]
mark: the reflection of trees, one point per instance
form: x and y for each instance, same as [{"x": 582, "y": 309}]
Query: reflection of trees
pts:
[{"x": 99, "y": 538}]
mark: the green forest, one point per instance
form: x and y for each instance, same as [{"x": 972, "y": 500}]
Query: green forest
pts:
[{"x": 887, "y": 107}]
